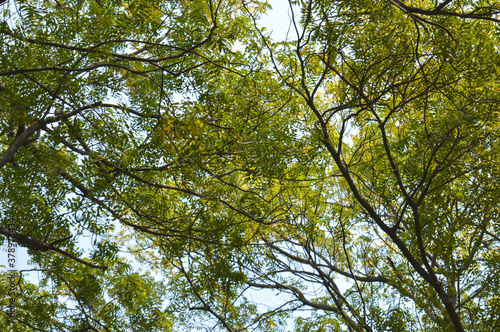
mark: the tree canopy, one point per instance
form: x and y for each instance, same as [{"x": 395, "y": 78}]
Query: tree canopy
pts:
[{"x": 171, "y": 167}]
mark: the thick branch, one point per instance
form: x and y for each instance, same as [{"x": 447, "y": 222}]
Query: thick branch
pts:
[{"x": 33, "y": 244}]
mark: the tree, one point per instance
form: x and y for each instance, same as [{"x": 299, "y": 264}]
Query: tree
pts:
[{"x": 352, "y": 169}]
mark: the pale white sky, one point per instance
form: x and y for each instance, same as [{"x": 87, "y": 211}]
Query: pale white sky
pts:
[{"x": 278, "y": 21}]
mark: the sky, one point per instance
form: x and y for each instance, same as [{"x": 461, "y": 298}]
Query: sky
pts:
[{"x": 277, "y": 21}]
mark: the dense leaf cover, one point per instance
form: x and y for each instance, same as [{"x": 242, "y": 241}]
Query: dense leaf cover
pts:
[{"x": 353, "y": 169}]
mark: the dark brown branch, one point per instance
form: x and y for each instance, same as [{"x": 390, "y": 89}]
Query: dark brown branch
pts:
[
  {"x": 439, "y": 12},
  {"x": 24, "y": 137},
  {"x": 328, "y": 265},
  {"x": 33, "y": 244}
]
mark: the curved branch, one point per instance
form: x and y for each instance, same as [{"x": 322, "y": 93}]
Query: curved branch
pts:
[
  {"x": 438, "y": 11},
  {"x": 33, "y": 244}
]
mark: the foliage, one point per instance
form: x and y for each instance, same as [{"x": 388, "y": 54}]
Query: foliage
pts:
[{"x": 352, "y": 170}]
